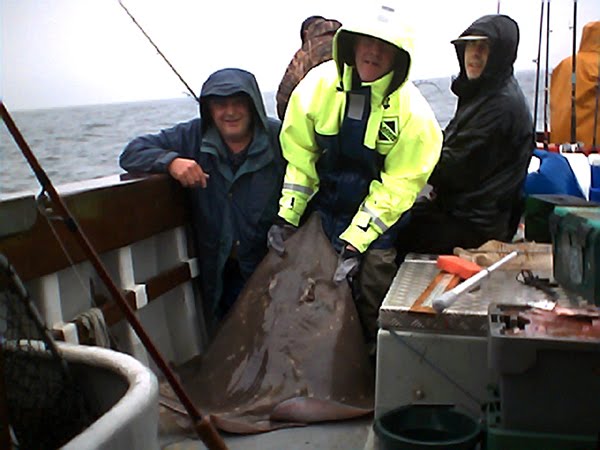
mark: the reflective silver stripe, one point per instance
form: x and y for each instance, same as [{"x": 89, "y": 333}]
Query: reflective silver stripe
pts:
[
  {"x": 356, "y": 106},
  {"x": 375, "y": 219},
  {"x": 298, "y": 188}
]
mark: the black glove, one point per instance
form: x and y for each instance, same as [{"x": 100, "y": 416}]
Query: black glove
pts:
[
  {"x": 278, "y": 233},
  {"x": 348, "y": 263}
]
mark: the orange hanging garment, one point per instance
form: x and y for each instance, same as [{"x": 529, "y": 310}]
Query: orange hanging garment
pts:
[{"x": 587, "y": 63}]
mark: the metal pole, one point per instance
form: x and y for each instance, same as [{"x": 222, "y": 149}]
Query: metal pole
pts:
[
  {"x": 5, "y": 439},
  {"x": 537, "y": 68},
  {"x": 594, "y": 140},
  {"x": 205, "y": 430},
  {"x": 574, "y": 77},
  {"x": 448, "y": 298},
  {"x": 546, "y": 77}
]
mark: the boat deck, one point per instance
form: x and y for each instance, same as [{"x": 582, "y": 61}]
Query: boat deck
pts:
[{"x": 356, "y": 434}]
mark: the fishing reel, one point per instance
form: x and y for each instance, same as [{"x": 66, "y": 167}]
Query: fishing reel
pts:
[{"x": 576, "y": 147}]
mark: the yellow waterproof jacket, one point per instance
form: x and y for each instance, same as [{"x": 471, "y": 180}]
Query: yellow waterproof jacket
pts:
[{"x": 401, "y": 128}]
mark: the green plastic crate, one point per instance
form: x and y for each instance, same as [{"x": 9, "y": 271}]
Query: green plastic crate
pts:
[
  {"x": 576, "y": 250},
  {"x": 539, "y": 208},
  {"x": 499, "y": 438}
]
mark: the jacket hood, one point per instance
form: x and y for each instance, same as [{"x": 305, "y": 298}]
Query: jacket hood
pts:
[
  {"x": 321, "y": 27},
  {"x": 382, "y": 23},
  {"x": 590, "y": 38},
  {"x": 503, "y": 36},
  {"x": 226, "y": 82}
]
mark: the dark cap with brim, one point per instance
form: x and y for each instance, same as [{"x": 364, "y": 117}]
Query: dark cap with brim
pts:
[{"x": 469, "y": 37}]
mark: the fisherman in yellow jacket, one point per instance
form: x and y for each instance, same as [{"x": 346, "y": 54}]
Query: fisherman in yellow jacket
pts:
[
  {"x": 360, "y": 141},
  {"x": 587, "y": 63}
]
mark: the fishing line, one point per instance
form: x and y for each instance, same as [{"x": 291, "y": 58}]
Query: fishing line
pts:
[
  {"x": 46, "y": 211},
  {"x": 441, "y": 372},
  {"x": 190, "y": 90}
]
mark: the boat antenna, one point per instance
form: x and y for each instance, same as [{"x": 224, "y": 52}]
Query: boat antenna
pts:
[
  {"x": 190, "y": 90},
  {"x": 574, "y": 77},
  {"x": 537, "y": 68},
  {"x": 202, "y": 424},
  {"x": 546, "y": 76}
]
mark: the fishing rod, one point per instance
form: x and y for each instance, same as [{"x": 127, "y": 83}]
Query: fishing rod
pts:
[
  {"x": 574, "y": 77},
  {"x": 537, "y": 69},
  {"x": 202, "y": 425},
  {"x": 546, "y": 76},
  {"x": 594, "y": 141},
  {"x": 190, "y": 90}
]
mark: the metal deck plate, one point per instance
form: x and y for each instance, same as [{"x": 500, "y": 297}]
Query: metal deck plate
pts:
[{"x": 468, "y": 315}]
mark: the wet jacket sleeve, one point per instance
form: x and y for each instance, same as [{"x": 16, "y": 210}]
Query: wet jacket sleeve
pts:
[
  {"x": 468, "y": 153},
  {"x": 154, "y": 152},
  {"x": 406, "y": 169},
  {"x": 300, "y": 149}
]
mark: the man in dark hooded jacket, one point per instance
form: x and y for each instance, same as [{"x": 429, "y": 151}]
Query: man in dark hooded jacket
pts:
[
  {"x": 316, "y": 33},
  {"x": 230, "y": 161},
  {"x": 477, "y": 183}
]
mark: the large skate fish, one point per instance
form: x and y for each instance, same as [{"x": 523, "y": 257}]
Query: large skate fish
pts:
[{"x": 291, "y": 350}]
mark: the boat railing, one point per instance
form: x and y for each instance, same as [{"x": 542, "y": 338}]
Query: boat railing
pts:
[{"x": 139, "y": 226}]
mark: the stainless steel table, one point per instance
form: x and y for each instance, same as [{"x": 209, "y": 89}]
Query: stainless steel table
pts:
[{"x": 441, "y": 358}]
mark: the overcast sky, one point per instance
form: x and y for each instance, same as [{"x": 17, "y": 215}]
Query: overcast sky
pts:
[{"x": 72, "y": 52}]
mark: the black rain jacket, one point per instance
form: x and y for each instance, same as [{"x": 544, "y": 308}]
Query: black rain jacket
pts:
[{"x": 489, "y": 142}]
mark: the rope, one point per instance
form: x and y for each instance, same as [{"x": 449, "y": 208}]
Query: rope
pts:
[
  {"x": 102, "y": 334},
  {"x": 435, "y": 368}
]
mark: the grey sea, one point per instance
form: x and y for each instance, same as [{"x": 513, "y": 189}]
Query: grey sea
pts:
[{"x": 84, "y": 142}]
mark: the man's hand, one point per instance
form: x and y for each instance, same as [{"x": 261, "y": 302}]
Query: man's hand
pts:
[
  {"x": 348, "y": 264},
  {"x": 188, "y": 172},
  {"x": 278, "y": 233}
]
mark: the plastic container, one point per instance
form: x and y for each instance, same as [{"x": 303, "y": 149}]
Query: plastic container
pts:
[
  {"x": 500, "y": 438},
  {"x": 538, "y": 209},
  {"x": 595, "y": 193},
  {"x": 548, "y": 367},
  {"x": 576, "y": 249},
  {"x": 594, "y": 160},
  {"x": 422, "y": 426}
]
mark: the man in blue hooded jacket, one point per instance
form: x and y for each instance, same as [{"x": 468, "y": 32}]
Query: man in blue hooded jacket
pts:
[{"x": 230, "y": 161}]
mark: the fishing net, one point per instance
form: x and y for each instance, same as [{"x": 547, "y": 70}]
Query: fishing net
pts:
[{"x": 44, "y": 406}]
